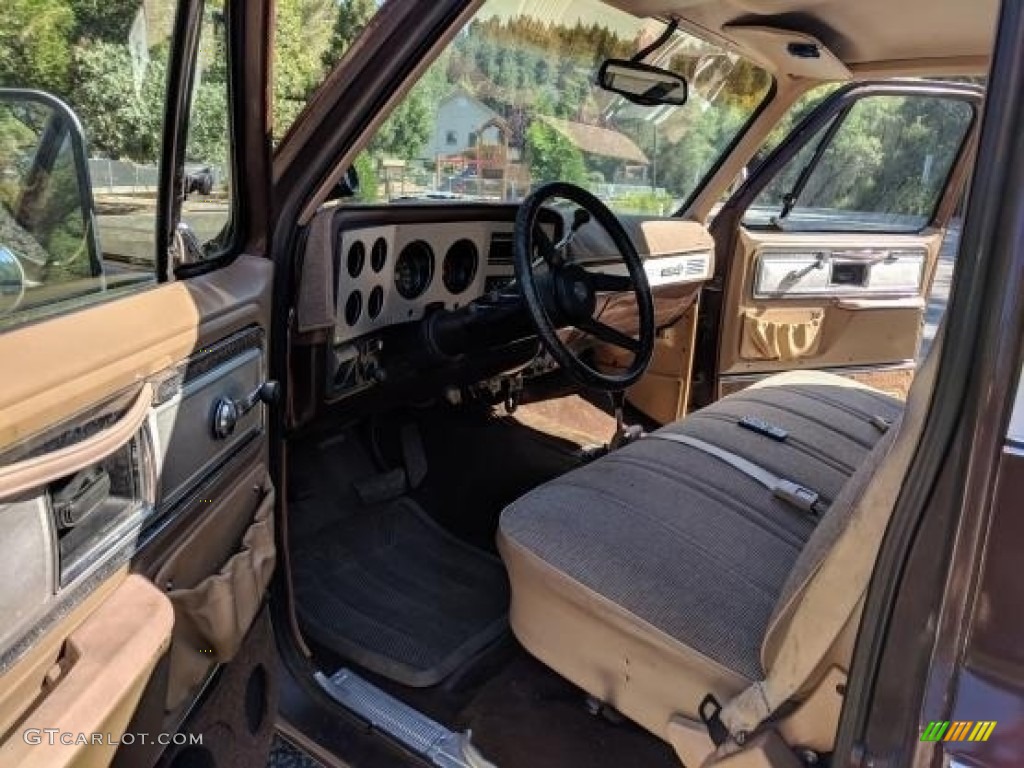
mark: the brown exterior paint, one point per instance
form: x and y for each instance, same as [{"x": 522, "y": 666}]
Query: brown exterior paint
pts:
[{"x": 991, "y": 681}]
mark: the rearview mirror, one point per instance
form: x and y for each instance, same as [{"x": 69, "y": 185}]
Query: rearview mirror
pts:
[{"x": 642, "y": 84}]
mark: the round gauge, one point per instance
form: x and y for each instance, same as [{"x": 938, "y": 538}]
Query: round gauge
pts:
[
  {"x": 376, "y": 302},
  {"x": 459, "y": 267},
  {"x": 414, "y": 269},
  {"x": 379, "y": 254},
  {"x": 356, "y": 258},
  {"x": 353, "y": 307}
]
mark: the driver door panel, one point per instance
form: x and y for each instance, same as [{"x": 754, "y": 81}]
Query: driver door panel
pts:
[{"x": 133, "y": 586}]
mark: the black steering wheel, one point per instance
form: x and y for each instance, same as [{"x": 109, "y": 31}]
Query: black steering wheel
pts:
[{"x": 566, "y": 295}]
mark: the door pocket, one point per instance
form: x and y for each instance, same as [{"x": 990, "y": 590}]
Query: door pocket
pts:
[
  {"x": 213, "y": 616},
  {"x": 781, "y": 334}
]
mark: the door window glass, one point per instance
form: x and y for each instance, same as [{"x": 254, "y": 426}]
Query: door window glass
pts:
[
  {"x": 881, "y": 166},
  {"x": 83, "y": 88},
  {"x": 206, "y": 209}
]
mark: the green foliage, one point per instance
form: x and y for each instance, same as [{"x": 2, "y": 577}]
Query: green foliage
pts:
[
  {"x": 120, "y": 122},
  {"x": 35, "y": 50},
  {"x": 643, "y": 203},
  {"x": 302, "y": 36},
  {"x": 107, "y": 20},
  {"x": 352, "y": 18},
  {"x": 369, "y": 185},
  {"x": 550, "y": 155}
]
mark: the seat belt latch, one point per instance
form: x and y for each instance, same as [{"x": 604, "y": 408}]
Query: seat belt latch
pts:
[
  {"x": 710, "y": 711},
  {"x": 799, "y": 496}
]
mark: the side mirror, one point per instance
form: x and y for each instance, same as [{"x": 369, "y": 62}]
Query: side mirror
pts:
[
  {"x": 348, "y": 185},
  {"x": 641, "y": 83},
  {"x": 47, "y": 210},
  {"x": 12, "y": 282}
]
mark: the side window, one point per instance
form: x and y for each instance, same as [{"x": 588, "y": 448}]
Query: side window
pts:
[
  {"x": 882, "y": 165},
  {"x": 206, "y": 210},
  {"x": 83, "y": 88}
]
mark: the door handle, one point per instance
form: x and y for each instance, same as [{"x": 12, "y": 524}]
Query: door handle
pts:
[
  {"x": 40, "y": 470},
  {"x": 227, "y": 412}
]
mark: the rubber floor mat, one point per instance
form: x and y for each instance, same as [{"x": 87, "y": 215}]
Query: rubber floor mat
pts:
[{"x": 395, "y": 593}]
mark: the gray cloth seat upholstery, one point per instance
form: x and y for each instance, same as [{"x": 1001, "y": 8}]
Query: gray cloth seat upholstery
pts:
[{"x": 649, "y": 577}]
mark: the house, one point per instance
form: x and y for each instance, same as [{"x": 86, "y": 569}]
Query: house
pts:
[{"x": 459, "y": 118}]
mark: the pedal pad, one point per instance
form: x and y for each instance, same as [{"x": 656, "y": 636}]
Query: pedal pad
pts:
[
  {"x": 379, "y": 488},
  {"x": 414, "y": 455}
]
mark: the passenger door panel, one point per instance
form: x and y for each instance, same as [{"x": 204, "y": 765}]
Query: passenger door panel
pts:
[
  {"x": 834, "y": 239},
  {"x": 825, "y": 301}
]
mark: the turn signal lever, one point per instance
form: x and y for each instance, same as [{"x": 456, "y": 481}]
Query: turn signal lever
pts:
[{"x": 227, "y": 412}]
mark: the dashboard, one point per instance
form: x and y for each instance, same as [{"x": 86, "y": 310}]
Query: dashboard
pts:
[
  {"x": 389, "y": 267},
  {"x": 397, "y": 273}
]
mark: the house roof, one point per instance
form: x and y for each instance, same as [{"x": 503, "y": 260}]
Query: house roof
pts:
[{"x": 598, "y": 141}]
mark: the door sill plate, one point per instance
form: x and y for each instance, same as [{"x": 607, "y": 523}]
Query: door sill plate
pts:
[{"x": 409, "y": 727}]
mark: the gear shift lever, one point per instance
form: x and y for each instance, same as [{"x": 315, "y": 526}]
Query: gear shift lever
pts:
[{"x": 624, "y": 435}]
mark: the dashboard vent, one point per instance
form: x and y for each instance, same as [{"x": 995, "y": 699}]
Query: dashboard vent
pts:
[{"x": 500, "y": 251}]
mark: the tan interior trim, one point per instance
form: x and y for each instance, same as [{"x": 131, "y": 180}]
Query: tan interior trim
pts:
[
  {"x": 21, "y": 683},
  {"x": 770, "y": 46},
  {"x": 39, "y": 470},
  {"x": 72, "y": 362},
  {"x": 105, "y": 666},
  {"x": 951, "y": 66}
]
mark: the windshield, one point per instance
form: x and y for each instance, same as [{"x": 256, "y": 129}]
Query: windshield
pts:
[{"x": 512, "y": 103}]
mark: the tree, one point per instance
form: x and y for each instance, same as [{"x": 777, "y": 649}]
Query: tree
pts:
[
  {"x": 106, "y": 20},
  {"x": 120, "y": 122},
  {"x": 35, "y": 50},
  {"x": 352, "y": 18},
  {"x": 302, "y": 36},
  {"x": 550, "y": 155},
  {"x": 405, "y": 131}
]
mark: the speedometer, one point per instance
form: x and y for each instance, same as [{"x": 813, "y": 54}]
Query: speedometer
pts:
[{"x": 414, "y": 269}]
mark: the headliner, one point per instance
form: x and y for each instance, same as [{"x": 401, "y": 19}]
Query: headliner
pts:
[{"x": 902, "y": 36}]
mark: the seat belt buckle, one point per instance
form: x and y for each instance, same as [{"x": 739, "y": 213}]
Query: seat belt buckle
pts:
[
  {"x": 800, "y": 497},
  {"x": 710, "y": 711}
]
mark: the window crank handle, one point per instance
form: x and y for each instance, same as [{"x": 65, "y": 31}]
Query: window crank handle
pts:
[{"x": 227, "y": 412}]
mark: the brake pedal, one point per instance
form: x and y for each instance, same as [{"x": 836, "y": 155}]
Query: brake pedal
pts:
[{"x": 382, "y": 487}]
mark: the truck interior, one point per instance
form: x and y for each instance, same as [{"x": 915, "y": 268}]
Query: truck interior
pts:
[{"x": 600, "y": 487}]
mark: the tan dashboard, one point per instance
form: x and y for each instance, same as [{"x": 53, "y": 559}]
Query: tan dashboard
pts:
[{"x": 367, "y": 270}]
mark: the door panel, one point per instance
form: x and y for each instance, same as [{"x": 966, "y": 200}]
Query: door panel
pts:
[
  {"x": 835, "y": 237},
  {"x": 109, "y": 459},
  {"x": 95, "y": 684},
  {"x": 825, "y": 300}
]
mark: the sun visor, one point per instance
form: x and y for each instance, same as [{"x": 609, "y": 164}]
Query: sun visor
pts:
[{"x": 786, "y": 52}]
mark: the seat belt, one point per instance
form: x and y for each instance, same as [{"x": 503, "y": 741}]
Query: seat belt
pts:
[
  {"x": 826, "y": 602},
  {"x": 799, "y": 496}
]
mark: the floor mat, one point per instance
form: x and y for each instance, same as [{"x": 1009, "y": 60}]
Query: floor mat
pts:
[
  {"x": 398, "y": 595},
  {"x": 529, "y": 717}
]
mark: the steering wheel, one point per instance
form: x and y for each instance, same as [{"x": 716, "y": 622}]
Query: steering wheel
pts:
[{"x": 567, "y": 293}]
